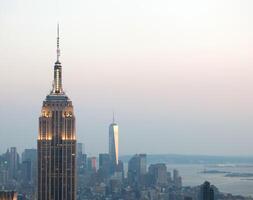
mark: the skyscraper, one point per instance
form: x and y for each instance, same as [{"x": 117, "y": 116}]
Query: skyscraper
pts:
[
  {"x": 206, "y": 191},
  {"x": 114, "y": 145},
  {"x": 80, "y": 147},
  {"x": 30, "y": 155},
  {"x": 158, "y": 173},
  {"x": 177, "y": 179},
  {"x": 57, "y": 142},
  {"x": 137, "y": 168},
  {"x": 92, "y": 164},
  {"x": 13, "y": 162},
  {"x": 81, "y": 159},
  {"x": 104, "y": 165}
]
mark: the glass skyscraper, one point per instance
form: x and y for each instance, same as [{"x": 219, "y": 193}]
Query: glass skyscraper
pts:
[{"x": 114, "y": 145}]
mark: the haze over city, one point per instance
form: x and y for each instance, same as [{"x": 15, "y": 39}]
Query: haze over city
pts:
[{"x": 177, "y": 74}]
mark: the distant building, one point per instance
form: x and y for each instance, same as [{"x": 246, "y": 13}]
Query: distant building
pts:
[
  {"x": 119, "y": 172},
  {"x": 29, "y": 165},
  {"x": 29, "y": 154},
  {"x": 26, "y": 172},
  {"x": 158, "y": 174},
  {"x": 81, "y": 158},
  {"x": 80, "y": 148},
  {"x": 8, "y": 195},
  {"x": 104, "y": 165},
  {"x": 137, "y": 167},
  {"x": 177, "y": 179},
  {"x": 169, "y": 177},
  {"x": 206, "y": 191},
  {"x": 13, "y": 162},
  {"x": 92, "y": 164},
  {"x": 4, "y": 173},
  {"x": 114, "y": 145},
  {"x": 115, "y": 185},
  {"x": 175, "y": 174},
  {"x": 4, "y": 177},
  {"x": 104, "y": 160},
  {"x": 120, "y": 168}
]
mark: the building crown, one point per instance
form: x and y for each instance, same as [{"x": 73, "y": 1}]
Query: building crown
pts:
[{"x": 57, "y": 83}]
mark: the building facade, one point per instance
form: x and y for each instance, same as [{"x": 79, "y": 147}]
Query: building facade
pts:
[
  {"x": 158, "y": 173},
  {"x": 57, "y": 143},
  {"x": 206, "y": 191},
  {"x": 92, "y": 164},
  {"x": 13, "y": 162},
  {"x": 114, "y": 145},
  {"x": 104, "y": 165},
  {"x": 137, "y": 168}
]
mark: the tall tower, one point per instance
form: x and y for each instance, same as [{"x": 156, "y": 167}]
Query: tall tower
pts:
[
  {"x": 13, "y": 162},
  {"x": 57, "y": 142},
  {"x": 114, "y": 144},
  {"x": 206, "y": 191}
]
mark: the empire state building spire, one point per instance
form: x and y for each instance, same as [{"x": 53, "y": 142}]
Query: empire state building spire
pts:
[
  {"x": 58, "y": 43},
  {"x": 57, "y": 88},
  {"x": 57, "y": 142}
]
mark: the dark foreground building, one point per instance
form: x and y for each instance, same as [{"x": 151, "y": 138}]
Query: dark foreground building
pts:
[
  {"x": 8, "y": 195},
  {"x": 206, "y": 191},
  {"x": 57, "y": 143}
]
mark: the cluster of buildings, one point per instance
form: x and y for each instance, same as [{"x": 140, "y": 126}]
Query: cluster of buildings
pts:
[
  {"x": 136, "y": 180},
  {"x": 59, "y": 169},
  {"x": 19, "y": 172},
  {"x": 99, "y": 178}
]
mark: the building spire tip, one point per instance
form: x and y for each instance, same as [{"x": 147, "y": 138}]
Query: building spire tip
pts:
[
  {"x": 58, "y": 42},
  {"x": 113, "y": 117}
]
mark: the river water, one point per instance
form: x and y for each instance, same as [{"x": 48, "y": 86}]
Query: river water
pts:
[{"x": 192, "y": 176}]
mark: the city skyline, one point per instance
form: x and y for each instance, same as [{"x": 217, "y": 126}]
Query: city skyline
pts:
[{"x": 170, "y": 88}]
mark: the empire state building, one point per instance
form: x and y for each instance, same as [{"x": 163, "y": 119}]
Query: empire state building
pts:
[{"x": 57, "y": 142}]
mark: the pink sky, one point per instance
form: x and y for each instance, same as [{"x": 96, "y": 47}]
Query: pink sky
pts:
[{"x": 177, "y": 73}]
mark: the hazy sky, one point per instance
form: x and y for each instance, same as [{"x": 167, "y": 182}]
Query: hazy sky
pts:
[{"x": 178, "y": 74}]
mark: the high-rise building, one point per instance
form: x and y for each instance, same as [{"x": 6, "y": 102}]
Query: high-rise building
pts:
[
  {"x": 104, "y": 160},
  {"x": 114, "y": 145},
  {"x": 177, "y": 179},
  {"x": 175, "y": 174},
  {"x": 158, "y": 173},
  {"x": 29, "y": 156},
  {"x": 57, "y": 142},
  {"x": 26, "y": 172},
  {"x": 206, "y": 191},
  {"x": 120, "y": 168},
  {"x": 3, "y": 176},
  {"x": 92, "y": 164},
  {"x": 4, "y": 172},
  {"x": 104, "y": 165},
  {"x": 137, "y": 167},
  {"x": 81, "y": 158},
  {"x": 143, "y": 164},
  {"x": 13, "y": 161},
  {"x": 80, "y": 148}
]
